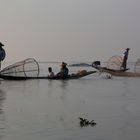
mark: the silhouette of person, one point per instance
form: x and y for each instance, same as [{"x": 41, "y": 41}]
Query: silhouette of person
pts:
[
  {"x": 64, "y": 71},
  {"x": 51, "y": 73},
  {"x": 124, "y": 63},
  {"x": 2, "y": 53}
]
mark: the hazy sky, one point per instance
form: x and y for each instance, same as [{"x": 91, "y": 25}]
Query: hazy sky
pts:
[{"x": 69, "y": 30}]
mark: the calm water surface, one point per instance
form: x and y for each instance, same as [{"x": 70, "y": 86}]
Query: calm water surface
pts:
[{"x": 49, "y": 110}]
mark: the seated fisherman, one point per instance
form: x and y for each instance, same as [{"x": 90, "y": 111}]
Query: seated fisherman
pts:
[
  {"x": 64, "y": 71},
  {"x": 51, "y": 73}
]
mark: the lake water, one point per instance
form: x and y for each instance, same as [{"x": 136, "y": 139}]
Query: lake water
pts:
[{"x": 49, "y": 110}]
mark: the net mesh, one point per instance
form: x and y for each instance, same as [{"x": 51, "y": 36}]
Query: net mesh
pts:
[
  {"x": 25, "y": 68},
  {"x": 115, "y": 62},
  {"x": 137, "y": 66}
]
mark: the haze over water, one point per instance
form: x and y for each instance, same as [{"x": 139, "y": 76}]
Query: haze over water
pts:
[
  {"x": 70, "y": 30},
  {"x": 45, "y": 109}
]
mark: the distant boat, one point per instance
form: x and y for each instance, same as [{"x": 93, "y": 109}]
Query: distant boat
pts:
[{"x": 116, "y": 71}]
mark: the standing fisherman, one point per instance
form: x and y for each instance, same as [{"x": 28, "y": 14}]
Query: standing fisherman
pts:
[
  {"x": 2, "y": 54},
  {"x": 124, "y": 64}
]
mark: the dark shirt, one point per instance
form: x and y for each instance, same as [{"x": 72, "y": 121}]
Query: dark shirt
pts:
[
  {"x": 63, "y": 72},
  {"x": 126, "y": 54},
  {"x": 2, "y": 54}
]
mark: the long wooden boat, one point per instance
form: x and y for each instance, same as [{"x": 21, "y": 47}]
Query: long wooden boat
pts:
[
  {"x": 121, "y": 73},
  {"x": 71, "y": 76}
]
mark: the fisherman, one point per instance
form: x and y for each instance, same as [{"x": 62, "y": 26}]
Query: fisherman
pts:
[
  {"x": 2, "y": 54},
  {"x": 51, "y": 73},
  {"x": 124, "y": 63},
  {"x": 64, "y": 71}
]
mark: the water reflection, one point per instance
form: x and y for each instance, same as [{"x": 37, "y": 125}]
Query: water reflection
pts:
[
  {"x": 2, "y": 117},
  {"x": 57, "y": 91},
  {"x": 64, "y": 84},
  {"x": 128, "y": 100},
  {"x": 62, "y": 88},
  {"x": 62, "y": 116}
]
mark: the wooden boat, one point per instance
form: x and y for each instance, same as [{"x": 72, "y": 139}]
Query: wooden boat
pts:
[
  {"x": 121, "y": 73},
  {"x": 71, "y": 76},
  {"x": 29, "y": 69}
]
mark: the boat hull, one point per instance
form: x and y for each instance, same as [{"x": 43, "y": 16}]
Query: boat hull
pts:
[
  {"x": 117, "y": 72},
  {"x": 72, "y": 76}
]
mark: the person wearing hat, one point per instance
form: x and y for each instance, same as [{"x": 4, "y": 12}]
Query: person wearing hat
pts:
[
  {"x": 64, "y": 71},
  {"x": 124, "y": 63},
  {"x": 2, "y": 53}
]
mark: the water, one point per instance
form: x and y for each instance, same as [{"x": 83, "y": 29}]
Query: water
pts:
[{"x": 44, "y": 109}]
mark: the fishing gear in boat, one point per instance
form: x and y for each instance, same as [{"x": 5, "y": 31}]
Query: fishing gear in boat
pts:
[
  {"x": 113, "y": 68},
  {"x": 137, "y": 66},
  {"x": 26, "y": 68},
  {"x": 114, "y": 62},
  {"x": 29, "y": 69}
]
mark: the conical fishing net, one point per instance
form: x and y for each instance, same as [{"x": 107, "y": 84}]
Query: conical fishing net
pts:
[
  {"x": 137, "y": 66},
  {"x": 25, "y": 68},
  {"x": 115, "y": 62}
]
